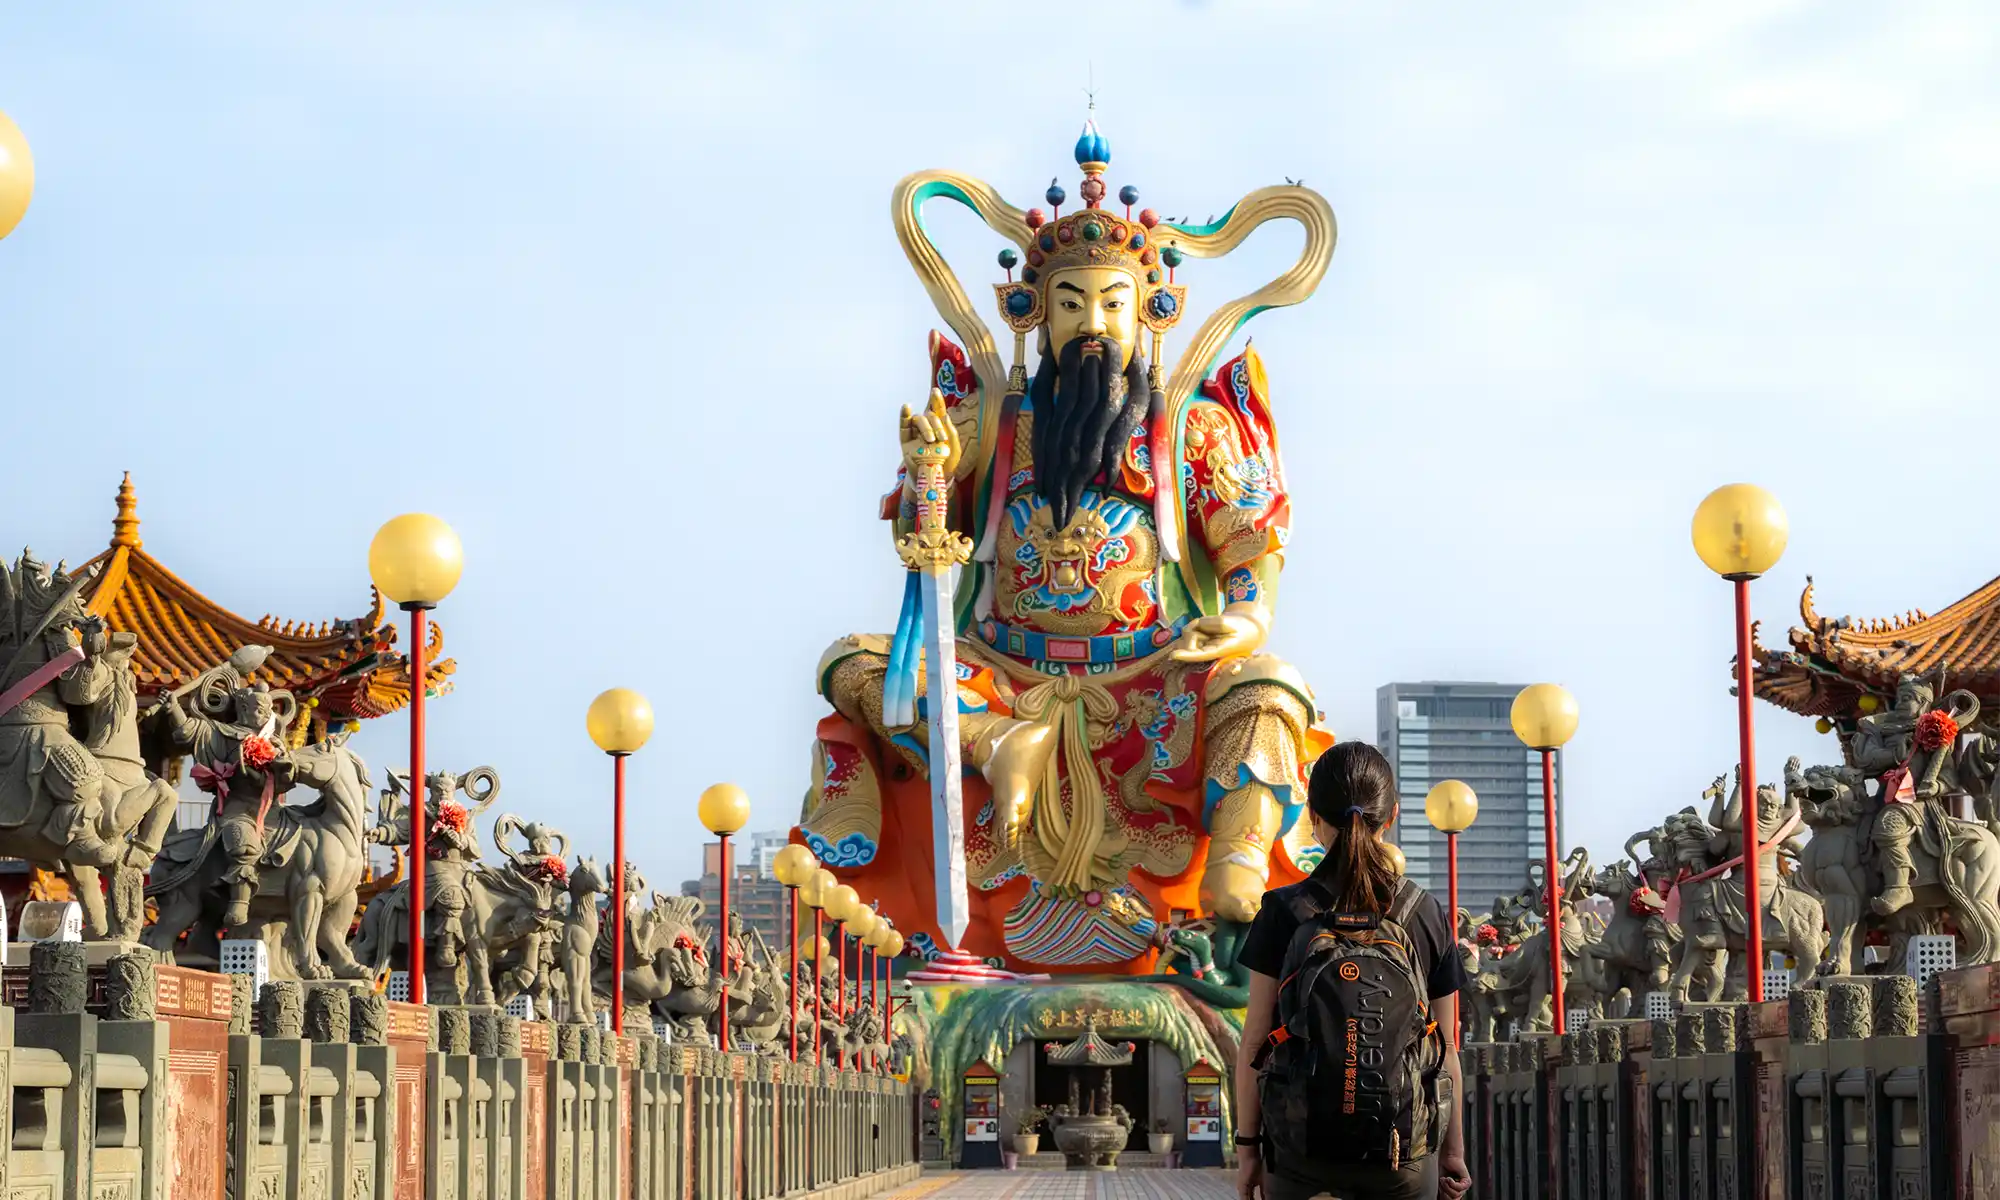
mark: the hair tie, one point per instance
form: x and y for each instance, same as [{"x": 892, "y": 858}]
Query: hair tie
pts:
[{"x": 1355, "y": 810}]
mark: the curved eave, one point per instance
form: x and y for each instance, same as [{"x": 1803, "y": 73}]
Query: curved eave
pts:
[
  {"x": 349, "y": 667},
  {"x": 1834, "y": 662}
]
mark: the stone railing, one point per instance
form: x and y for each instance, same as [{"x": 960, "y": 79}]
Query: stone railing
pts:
[
  {"x": 1853, "y": 1089},
  {"x": 138, "y": 1082}
]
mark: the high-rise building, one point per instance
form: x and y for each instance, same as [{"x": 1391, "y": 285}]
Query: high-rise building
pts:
[
  {"x": 763, "y": 851},
  {"x": 753, "y": 894},
  {"x": 1436, "y": 731}
]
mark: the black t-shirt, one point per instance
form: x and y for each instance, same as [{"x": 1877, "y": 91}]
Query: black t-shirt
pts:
[{"x": 1270, "y": 935}]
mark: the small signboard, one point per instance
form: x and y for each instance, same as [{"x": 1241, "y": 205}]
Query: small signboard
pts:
[
  {"x": 1203, "y": 1085},
  {"x": 980, "y": 1118}
]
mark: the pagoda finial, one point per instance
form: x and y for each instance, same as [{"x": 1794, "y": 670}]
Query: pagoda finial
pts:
[{"x": 125, "y": 526}]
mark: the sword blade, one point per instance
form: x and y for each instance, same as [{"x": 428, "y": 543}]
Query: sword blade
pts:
[{"x": 940, "y": 630}]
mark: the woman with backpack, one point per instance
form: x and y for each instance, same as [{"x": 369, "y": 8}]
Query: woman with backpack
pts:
[{"x": 1347, "y": 1084}]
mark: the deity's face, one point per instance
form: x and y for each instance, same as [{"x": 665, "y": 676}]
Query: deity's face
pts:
[
  {"x": 253, "y": 707},
  {"x": 1094, "y": 303}
]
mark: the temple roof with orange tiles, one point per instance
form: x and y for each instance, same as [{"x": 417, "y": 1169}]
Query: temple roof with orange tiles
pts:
[
  {"x": 340, "y": 671},
  {"x": 1836, "y": 662}
]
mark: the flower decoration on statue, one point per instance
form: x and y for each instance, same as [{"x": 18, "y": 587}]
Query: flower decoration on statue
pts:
[
  {"x": 553, "y": 869},
  {"x": 451, "y": 818},
  {"x": 1935, "y": 731},
  {"x": 258, "y": 752},
  {"x": 1489, "y": 935}
]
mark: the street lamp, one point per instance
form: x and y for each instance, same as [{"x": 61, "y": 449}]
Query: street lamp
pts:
[
  {"x": 793, "y": 866},
  {"x": 415, "y": 560},
  {"x": 816, "y": 891},
  {"x": 1544, "y": 717},
  {"x": 17, "y": 175},
  {"x": 619, "y": 721},
  {"x": 894, "y": 949},
  {"x": 1740, "y": 532},
  {"x": 724, "y": 808},
  {"x": 1451, "y": 807},
  {"x": 840, "y": 905}
]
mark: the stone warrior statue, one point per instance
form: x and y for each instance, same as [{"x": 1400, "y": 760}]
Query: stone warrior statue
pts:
[
  {"x": 238, "y": 744},
  {"x": 1116, "y": 711},
  {"x": 74, "y": 788}
]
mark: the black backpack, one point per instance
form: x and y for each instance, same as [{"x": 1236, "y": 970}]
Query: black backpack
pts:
[{"x": 1350, "y": 1074}]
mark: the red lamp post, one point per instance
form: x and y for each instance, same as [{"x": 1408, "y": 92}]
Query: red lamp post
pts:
[
  {"x": 1451, "y": 808},
  {"x": 1544, "y": 716},
  {"x": 619, "y": 721},
  {"x": 1740, "y": 532},
  {"x": 415, "y": 560},
  {"x": 817, "y": 891},
  {"x": 724, "y": 809},
  {"x": 793, "y": 866}
]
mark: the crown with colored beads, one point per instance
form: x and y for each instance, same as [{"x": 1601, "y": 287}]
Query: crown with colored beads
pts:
[{"x": 1092, "y": 237}]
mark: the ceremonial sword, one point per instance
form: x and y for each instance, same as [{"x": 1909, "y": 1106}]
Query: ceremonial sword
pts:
[{"x": 932, "y": 551}]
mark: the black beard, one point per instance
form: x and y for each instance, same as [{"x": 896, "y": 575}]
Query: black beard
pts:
[{"x": 1082, "y": 422}]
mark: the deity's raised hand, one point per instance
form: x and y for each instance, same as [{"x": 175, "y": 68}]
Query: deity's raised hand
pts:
[
  {"x": 929, "y": 435},
  {"x": 1224, "y": 635}
]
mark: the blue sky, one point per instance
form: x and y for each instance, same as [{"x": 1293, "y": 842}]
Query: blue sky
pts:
[{"x": 613, "y": 288}]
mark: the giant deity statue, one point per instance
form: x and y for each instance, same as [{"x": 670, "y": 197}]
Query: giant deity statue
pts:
[{"x": 1120, "y": 749}]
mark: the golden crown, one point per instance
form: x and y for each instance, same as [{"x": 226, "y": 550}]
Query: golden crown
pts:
[{"x": 1093, "y": 237}]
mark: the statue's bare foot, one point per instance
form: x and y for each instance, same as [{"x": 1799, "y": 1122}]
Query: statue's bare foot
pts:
[
  {"x": 351, "y": 970},
  {"x": 1892, "y": 900},
  {"x": 237, "y": 914},
  {"x": 140, "y": 856}
]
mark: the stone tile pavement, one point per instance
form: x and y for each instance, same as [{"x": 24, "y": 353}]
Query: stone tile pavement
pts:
[{"x": 1071, "y": 1185}]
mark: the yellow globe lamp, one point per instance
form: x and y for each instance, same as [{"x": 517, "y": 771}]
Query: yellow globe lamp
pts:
[
  {"x": 1544, "y": 716},
  {"x": 415, "y": 560},
  {"x": 1823, "y": 725},
  {"x": 17, "y": 175},
  {"x": 815, "y": 949},
  {"x": 1400, "y": 864},
  {"x": 841, "y": 905},
  {"x": 724, "y": 809},
  {"x": 861, "y": 923},
  {"x": 1868, "y": 704},
  {"x": 1740, "y": 531},
  {"x": 619, "y": 720},
  {"x": 1451, "y": 806},
  {"x": 878, "y": 938},
  {"x": 794, "y": 865},
  {"x": 818, "y": 889},
  {"x": 894, "y": 948}
]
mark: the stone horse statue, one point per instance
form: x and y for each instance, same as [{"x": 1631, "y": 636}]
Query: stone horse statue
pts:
[
  {"x": 311, "y": 870},
  {"x": 1634, "y": 955},
  {"x": 74, "y": 789},
  {"x": 459, "y": 911},
  {"x": 1710, "y": 899},
  {"x": 1899, "y": 856},
  {"x": 668, "y": 969},
  {"x": 1498, "y": 991},
  {"x": 757, "y": 1020}
]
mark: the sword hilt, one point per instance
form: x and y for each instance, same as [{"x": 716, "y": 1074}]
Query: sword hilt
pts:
[{"x": 932, "y": 546}]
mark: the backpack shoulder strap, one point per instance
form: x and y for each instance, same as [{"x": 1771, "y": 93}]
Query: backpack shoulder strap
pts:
[
  {"x": 1404, "y": 907},
  {"x": 1308, "y": 902}
]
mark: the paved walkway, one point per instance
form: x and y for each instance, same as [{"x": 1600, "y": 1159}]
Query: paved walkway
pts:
[{"x": 1071, "y": 1185}]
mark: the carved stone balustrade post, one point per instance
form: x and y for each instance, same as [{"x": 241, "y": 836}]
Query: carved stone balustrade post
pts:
[
  {"x": 372, "y": 1159},
  {"x": 1669, "y": 1146},
  {"x": 1851, "y": 1083}
]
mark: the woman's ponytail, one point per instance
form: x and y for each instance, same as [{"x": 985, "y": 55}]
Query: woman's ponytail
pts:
[{"x": 1353, "y": 790}]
